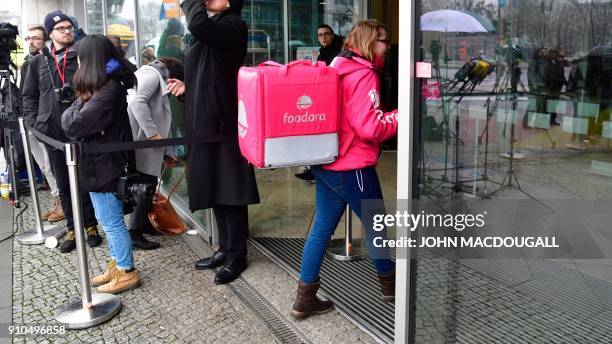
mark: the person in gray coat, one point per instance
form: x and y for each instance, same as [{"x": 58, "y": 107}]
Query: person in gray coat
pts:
[{"x": 150, "y": 119}]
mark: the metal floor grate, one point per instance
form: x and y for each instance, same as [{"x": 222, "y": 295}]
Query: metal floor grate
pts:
[{"x": 277, "y": 324}]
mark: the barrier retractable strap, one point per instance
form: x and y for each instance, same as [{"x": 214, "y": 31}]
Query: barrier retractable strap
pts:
[
  {"x": 92, "y": 147},
  {"x": 46, "y": 139}
]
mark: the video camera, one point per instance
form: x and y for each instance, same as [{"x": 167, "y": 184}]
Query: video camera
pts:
[
  {"x": 8, "y": 43},
  {"x": 129, "y": 188}
]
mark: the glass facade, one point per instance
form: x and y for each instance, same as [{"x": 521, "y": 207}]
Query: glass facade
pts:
[{"x": 517, "y": 106}]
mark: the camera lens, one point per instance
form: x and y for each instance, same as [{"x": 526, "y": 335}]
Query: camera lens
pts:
[{"x": 67, "y": 94}]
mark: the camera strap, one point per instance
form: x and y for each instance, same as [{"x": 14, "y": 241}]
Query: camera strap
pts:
[
  {"x": 49, "y": 69},
  {"x": 62, "y": 71}
]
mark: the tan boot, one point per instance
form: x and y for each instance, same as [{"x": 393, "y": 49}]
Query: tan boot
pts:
[
  {"x": 57, "y": 213},
  {"x": 106, "y": 276},
  {"x": 45, "y": 215},
  {"x": 120, "y": 281}
]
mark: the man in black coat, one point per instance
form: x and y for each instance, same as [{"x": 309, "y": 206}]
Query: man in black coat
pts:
[
  {"x": 535, "y": 78},
  {"x": 43, "y": 105},
  {"x": 217, "y": 174},
  {"x": 331, "y": 44},
  {"x": 36, "y": 38},
  {"x": 554, "y": 79}
]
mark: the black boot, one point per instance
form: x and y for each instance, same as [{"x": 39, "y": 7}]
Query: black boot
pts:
[
  {"x": 306, "y": 176},
  {"x": 214, "y": 261},
  {"x": 387, "y": 286},
  {"x": 139, "y": 241},
  {"x": 231, "y": 270},
  {"x": 308, "y": 303},
  {"x": 93, "y": 237},
  {"x": 69, "y": 243}
]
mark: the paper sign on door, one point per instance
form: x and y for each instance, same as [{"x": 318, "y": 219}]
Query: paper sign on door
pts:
[{"x": 423, "y": 70}]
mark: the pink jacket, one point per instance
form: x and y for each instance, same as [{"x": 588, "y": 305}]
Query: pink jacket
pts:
[{"x": 364, "y": 126}]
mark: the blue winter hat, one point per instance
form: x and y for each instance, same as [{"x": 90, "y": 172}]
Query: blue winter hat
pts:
[{"x": 55, "y": 17}]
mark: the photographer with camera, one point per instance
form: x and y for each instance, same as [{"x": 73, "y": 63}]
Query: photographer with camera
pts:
[
  {"x": 47, "y": 93},
  {"x": 151, "y": 119},
  {"x": 99, "y": 115},
  {"x": 10, "y": 106},
  {"x": 36, "y": 38}
]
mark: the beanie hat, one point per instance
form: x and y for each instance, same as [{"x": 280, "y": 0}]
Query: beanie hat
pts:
[{"x": 55, "y": 17}]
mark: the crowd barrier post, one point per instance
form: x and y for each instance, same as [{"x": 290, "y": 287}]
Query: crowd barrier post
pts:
[
  {"x": 347, "y": 249},
  {"x": 40, "y": 233},
  {"x": 91, "y": 309}
]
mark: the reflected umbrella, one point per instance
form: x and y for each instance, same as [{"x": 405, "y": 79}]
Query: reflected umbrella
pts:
[{"x": 451, "y": 21}]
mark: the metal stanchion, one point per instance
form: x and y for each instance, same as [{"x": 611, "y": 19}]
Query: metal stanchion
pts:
[
  {"x": 41, "y": 233},
  {"x": 94, "y": 309},
  {"x": 347, "y": 249}
]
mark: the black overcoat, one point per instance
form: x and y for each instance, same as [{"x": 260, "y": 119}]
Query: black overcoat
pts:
[{"x": 217, "y": 174}]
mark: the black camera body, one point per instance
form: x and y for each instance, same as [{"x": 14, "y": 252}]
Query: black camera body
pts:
[
  {"x": 66, "y": 94},
  {"x": 128, "y": 189},
  {"x": 8, "y": 43}
]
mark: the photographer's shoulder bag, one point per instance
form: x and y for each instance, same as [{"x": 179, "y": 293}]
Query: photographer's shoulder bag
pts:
[{"x": 163, "y": 216}]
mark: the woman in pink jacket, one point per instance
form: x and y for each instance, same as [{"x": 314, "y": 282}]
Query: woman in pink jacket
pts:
[{"x": 352, "y": 177}]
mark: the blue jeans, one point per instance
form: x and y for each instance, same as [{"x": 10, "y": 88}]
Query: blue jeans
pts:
[
  {"x": 334, "y": 191},
  {"x": 109, "y": 212}
]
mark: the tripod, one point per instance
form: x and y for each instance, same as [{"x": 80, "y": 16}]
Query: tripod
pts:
[
  {"x": 8, "y": 112},
  {"x": 510, "y": 178},
  {"x": 500, "y": 85},
  {"x": 436, "y": 48},
  {"x": 505, "y": 88}
]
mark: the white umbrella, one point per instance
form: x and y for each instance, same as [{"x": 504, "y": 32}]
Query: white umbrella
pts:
[{"x": 450, "y": 21}]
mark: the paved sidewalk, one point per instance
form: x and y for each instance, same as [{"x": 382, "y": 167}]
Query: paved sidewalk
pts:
[
  {"x": 176, "y": 304},
  {"x": 6, "y": 274}
]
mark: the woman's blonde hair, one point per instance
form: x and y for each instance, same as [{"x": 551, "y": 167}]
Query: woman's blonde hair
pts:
[{"x": 363, "y": 37}]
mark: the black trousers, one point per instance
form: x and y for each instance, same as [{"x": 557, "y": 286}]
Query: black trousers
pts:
[
  {"x": 233, "y": 225},
  {"x": 139, "y": 219},
  {"x": 57, "y": 160}
]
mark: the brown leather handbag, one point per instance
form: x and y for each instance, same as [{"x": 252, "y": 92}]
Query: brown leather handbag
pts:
[{"x": 163, "y": 216}]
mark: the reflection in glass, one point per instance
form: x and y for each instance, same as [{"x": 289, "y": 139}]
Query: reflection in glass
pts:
[{"x": 534, "y": 125}]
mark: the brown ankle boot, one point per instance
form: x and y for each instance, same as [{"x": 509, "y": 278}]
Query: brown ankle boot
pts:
[
  {"x": 45, "y": 215},
  {"x": 56, "y": 213},
  {"x": 106, "y": 276},
  {"x": 387, "y": 285},
  {"x": 308, "y": 303},
  {"x": 121, "y": 281}
]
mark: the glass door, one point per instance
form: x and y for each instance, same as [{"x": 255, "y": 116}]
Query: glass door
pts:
[{"x": 514, "y": 104}]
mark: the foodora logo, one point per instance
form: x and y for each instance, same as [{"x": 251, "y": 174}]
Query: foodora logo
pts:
[{"x": 304, "y": 102}]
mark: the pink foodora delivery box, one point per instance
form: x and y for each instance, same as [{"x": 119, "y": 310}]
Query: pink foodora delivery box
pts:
[{"x": 288, "y": 114}]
